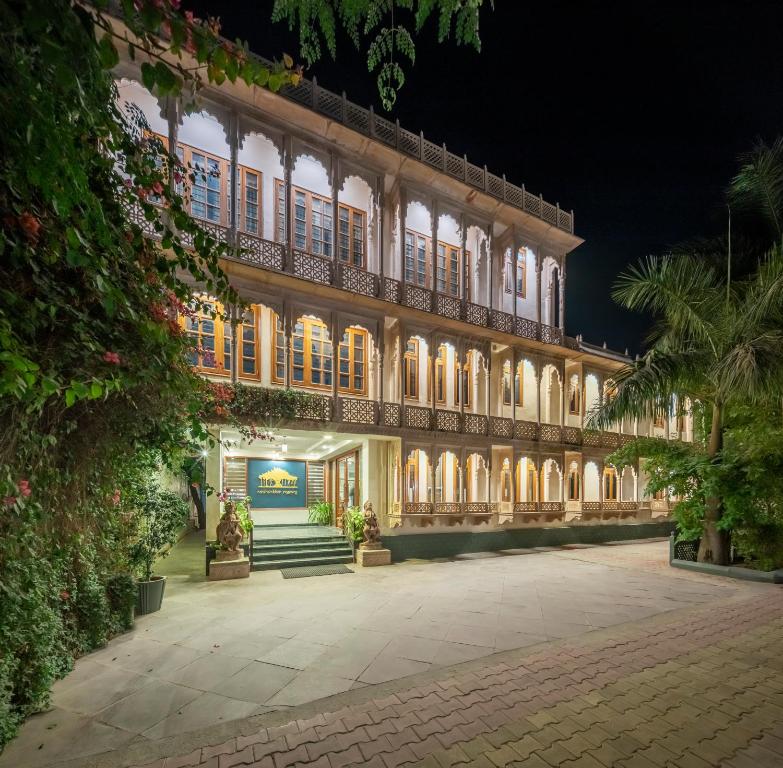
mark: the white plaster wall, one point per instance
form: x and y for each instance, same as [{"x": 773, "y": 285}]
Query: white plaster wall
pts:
[
  {"x": 524, "y": 464},
  {"x": 308, "y": 173},
  {"x": 448, "y": 230},
  {"x": 628, "y": 485},
  {"x": 203, "y": 131},
  {"x": 553, "y": 481},
  {"x": 526, "y": 307},
  {"x": 527, "y": 409},
  {"x": 418, "y": 219},
  {"x": 592, "y": 393},
  {"x": 550, "y": 395},
  {"x": 261, "y": 154},
  {"x": 476, "y": 242},
  {"x": 574, "y": 382},
  {"x": 131, "y": 92},
  {"x": 592, "y": 482}
]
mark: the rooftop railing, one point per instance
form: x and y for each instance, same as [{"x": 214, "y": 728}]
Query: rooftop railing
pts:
[{"x": 365, "y": 121}]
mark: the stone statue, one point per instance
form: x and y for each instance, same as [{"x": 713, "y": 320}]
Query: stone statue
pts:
[
  {"x": 372, "y": 533},
  {"x": 229, "y": 531}
]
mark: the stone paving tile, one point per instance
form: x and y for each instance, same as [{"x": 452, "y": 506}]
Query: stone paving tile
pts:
[{"x": 702, "y": 687}]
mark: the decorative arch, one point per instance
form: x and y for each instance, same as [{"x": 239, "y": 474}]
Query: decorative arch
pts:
[
  {"x": 592, "y": 482},
  {"x": 550, "y": 391},
  {"x": 551, "y": 481}
]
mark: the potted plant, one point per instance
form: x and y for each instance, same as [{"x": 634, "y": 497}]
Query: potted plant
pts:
[
  {"x": 320, "y": 513},
  {"x": 159, "y": 516},
  {"x": 353, "y": 526}
]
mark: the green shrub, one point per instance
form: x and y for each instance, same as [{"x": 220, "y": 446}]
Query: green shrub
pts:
[
  {"x": 243, "y": 513},
  {"x": 121, "y": 593},
  {"x": 320, "y": 513},
  {"x": 353, "y": 523},
  {"x": 159, "y": 516}
]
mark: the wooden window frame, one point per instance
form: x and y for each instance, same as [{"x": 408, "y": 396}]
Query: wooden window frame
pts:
[
  {"x": 519, "y": 384},
  {"x": 308, "y": 323},
  {"x": 410, "y": 367},
  {"x": 281, "y": 218},
  {"x": 505, "y": 481},
  {"x": 308, "y": 200},
  {"x": 451, "y": 269},
  {"x": 520, "y": 266},
  {"x": 242, "y": 199},
  {"x": 417, "y": 239},
  {"x": 440, "y": 375},
  {"x": 218, "y": 334},
  {"x": 610, "y": 476},
  {"x": 352, "y": 213},
  {"x": 575, "y": 400},
  {"x": 575, "y": 492},
  {"x": 505, "y": 383},
  {"x": 352, "y": 333},
  {"x": 532, "y": 482},
  {"x": 241, "y": 357},
  {"x": 278, "y": 344},
  {"x": 466, "y": 383},
  {"x": 412, "y": 462}
]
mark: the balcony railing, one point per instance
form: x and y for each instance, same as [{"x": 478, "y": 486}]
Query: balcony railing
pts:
[
  {"x": 366, "y": 122},
  {"x": 267, "y": 254}
]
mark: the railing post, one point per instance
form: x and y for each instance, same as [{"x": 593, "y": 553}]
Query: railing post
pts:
[
  {"x": 444, "y": 157},
  {"x": 504, "y": 187},
  {"x": 397, "y": 133},
  {"x": 345, "y": 109},
  {"x": 421, "y": 145},
  {"x": 372, "y": 121},
  {"x": 313, "y": 95},
  {"x": 465, "y": 168}
]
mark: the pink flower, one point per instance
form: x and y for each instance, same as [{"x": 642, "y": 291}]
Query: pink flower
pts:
[
  {"x": 175, "y": 4},
  {"x": 9, "y": 501},
  {"x": 209, "y": 359},
  {"x": 24, "y": 488},
  {"x": 157, "y": 188},
  {"x": 115, "y": 499},
  {"x": 189, "y": 16},
  {"x": 64, "y": 595},
  {"x": 178, "y": 177},
  {"x": 30, "y": 226},
  {"x": 111, "y": 357}
]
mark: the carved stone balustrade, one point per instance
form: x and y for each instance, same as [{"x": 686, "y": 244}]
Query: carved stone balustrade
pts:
[
  {"x": 417, "y": 417},
  {"x": 311, "y": 267},
  {"x": 417, "y": 297},
  {"x": 501, "y": 427},
  {"x": 475, "y": 424},
  {"x": 549, "y": 433},
  {"x": 525, "y": 430},
  {"x": 392, "y": 415},
  {"x": 501, "y": 321},
  {"x": 391, "y": 290},
  {"x": 353, "y": 410},
  {"x": 448, "y": 306},
  {"x": 261, "y": 253},
  {"x": 356, "y": 280},
  {"x": 448, "y": 421}
]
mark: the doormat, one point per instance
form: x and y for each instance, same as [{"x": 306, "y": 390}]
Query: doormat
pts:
[{"x": 314, "y": 570}]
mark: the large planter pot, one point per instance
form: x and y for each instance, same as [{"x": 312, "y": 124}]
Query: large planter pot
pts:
[{"x": 150, "y": 595}]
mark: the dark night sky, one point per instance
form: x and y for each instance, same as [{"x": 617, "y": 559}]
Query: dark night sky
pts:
[{"x": 630, "y": 113}]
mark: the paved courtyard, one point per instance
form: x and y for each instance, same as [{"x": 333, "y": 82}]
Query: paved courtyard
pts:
[{"x": 584, "y": 657}]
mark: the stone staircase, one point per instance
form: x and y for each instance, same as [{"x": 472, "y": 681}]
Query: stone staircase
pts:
[{"x": 293, "y": 546}]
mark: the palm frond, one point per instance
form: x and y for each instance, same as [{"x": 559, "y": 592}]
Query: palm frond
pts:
[
  {"x": 762, "y": 303},
  {"x": 757, "y": 189},
  {"x": 645, "y": 388},
  {"x": 683, "y": 292},
  {"x": 752, "y": 370}
]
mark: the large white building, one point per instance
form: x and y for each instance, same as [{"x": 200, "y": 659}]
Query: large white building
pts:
[{"x": 419, "y": 298}]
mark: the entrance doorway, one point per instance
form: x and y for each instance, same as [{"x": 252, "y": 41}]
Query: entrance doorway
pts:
[{"x": 345, "y": 470}]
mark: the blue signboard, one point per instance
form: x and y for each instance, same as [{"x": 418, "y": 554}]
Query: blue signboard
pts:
[{"x": 276, "y": 484}]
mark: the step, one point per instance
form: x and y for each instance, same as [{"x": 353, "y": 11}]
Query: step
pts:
[
  {"x": 296, "y": 554},
  {"x": 259, "y": 545},
  {"x": 303, "y": 542},
  {"x": 272, "y": 565}
]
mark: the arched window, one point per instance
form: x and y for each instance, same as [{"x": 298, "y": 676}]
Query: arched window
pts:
[
  {"x": 505, "y": 481},
  {"x": 575, "y": 396},
  {"x": 311, "y": 354},
  {"x": 440, "y": 374},
  {"x": 610, "y": 484},
  {"x": 412, "y": 477},
  {"x": 352, "y": 362},
  {"x": 532, "y": 482},
  {"x": 463, "y": 382},
  {"x": 410, "y": 364},
  {"x": 506, "y": 383},
  {"x": 521, "y": 267},
  {"x": 212, "y": 340},
  {"x": 574, "y": 483}
]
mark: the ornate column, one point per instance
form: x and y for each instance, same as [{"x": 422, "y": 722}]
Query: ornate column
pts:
[
  {"x": 513, "y": 276},
  {"x": 380, "y": 218},
  {"x": 514, "y": 382},
  {"x": 539, "y": 381},
  {"x": 403, "y": 240},
  {"x": 539, "y": 267},
  {"x": 234, "y": 316},
  {"x": 487, "y": 387},
  {"x": 173, "y": 109},
  {"x": 464, "y": 263},
  {"x": 431, "y": 372},
  {"x": 286, "y": 321},
  {"x": 434, "y": 249},
  {"x": 562, "y": 294},
  {"x": 461, "y": 361},
  {"x": 381, "y": 347},
  {"x": 490, "y": 272},
  {"x": 333, "y": 331},
  {"x": 335, "y": 163},
  {"x": 233, "y": 205},
  {"x": 288, "y": 166},
  {"x": 403, "y": 343},
  {"x": 563, "y": 394}
]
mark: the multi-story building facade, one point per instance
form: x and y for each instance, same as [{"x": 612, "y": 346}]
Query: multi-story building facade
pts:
[{"x": 418, "y": 297}]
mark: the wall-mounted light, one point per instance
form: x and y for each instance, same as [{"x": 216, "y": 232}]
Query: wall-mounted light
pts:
[{"x": 284, "y": 447}]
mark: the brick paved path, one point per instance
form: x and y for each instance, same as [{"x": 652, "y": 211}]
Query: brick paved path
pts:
[{"x": 690, "y": 688}]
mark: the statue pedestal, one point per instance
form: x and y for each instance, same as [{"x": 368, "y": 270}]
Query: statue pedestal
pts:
[
  {"x": 372, "y": 555},
  {"x": 225, "y": 555},
  {"x": 234, "y": 568}
]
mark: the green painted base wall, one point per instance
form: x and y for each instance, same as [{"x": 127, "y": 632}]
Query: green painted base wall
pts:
[{"x": 448, "y": 544}]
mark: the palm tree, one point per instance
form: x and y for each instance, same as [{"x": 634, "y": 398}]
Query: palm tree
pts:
[{"x": 714, "y": 343}]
